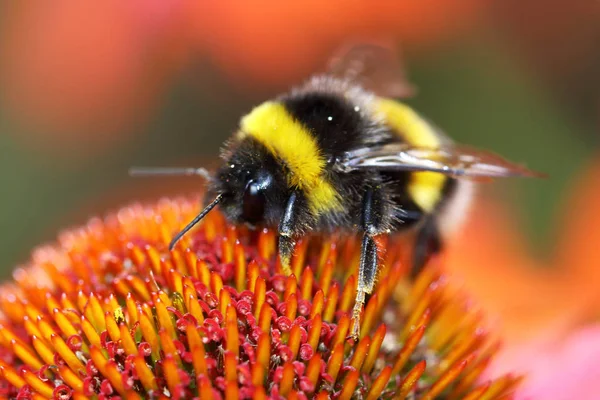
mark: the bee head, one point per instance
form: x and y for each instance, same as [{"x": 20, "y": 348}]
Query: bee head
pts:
[{"x": 252, "y": 184}]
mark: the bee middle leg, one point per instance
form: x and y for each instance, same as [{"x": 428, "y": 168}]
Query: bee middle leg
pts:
[
  {"x": 373, "y": 217},
  {"x": 287, "y": 233}
]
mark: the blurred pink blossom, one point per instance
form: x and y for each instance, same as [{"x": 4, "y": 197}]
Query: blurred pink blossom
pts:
[{"x": 561, "y": 369}]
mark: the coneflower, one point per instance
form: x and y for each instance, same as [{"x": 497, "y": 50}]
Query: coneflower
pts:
[{"x": 110, "y": 313}]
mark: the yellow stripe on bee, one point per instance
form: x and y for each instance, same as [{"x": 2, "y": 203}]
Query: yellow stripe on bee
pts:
[
  {"x": 425, "y": 188},
  {"x": 286, "y": 139}
]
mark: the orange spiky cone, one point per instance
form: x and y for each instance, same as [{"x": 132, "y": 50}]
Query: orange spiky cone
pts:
[{"x": 109, "y": 312}]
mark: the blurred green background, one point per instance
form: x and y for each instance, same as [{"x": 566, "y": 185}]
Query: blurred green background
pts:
[{"x": 88, "y": 90}]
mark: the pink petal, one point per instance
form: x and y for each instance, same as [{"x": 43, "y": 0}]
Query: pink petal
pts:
[{"x": 569, "y": 369}]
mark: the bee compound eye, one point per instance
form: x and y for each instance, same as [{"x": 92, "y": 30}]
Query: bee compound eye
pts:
[{"x": 253, "y": 207}]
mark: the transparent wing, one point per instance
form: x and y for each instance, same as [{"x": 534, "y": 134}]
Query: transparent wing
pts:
[
  {"x": 456, "y": 161},
  {"x": 377, "y": 68}
]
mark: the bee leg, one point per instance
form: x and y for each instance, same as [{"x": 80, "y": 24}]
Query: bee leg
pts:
[
  {"x": 287, "y": 230},
  {"x": 427, "y": 244},
  {"x": 366, "y": 278},
  {"x": 372, "y": 216}
]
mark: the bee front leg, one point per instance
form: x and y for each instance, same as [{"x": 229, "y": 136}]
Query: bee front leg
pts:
[
  {"x": 287, "y": 233},
  {"x": 373, "y": 217}
]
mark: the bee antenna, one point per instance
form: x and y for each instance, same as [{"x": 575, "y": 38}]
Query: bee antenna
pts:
[
  {"x": 195, "y": 220},
  {"x": 167, "y": 171}
]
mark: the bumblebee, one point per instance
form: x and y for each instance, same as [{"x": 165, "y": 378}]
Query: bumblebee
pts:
[{"x": 340, "y": 152}]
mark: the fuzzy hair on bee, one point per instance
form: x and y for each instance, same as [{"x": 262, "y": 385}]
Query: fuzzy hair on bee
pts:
[{"x": 338, "y": 153}]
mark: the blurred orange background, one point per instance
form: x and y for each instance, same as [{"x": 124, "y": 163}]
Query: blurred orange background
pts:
[{"x": 88, "y": 89}]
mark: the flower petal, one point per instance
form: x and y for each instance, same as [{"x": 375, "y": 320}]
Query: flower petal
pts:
[
  {"x": 556, "y": 370},
  {"x": 577, "y": 251},
  {"x": 489, "y": 256}
]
